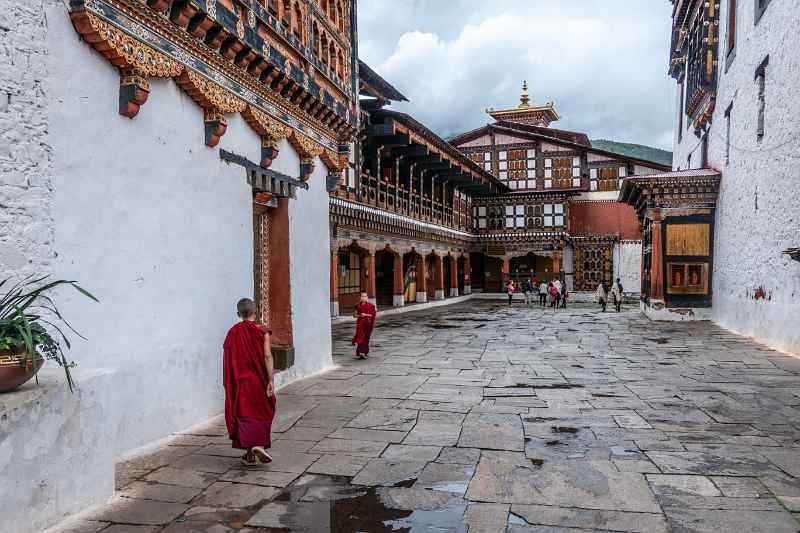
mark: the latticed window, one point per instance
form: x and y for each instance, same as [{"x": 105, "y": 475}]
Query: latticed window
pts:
[
  {"x": 593, "y": 265},
  {"x": 350, "y": 273},
  {"x": 483, "y": 159},
  {"x": 553, "y": 215},
  {"x": 518, "y": 168},
  {"x": 607, "y": 178},
  {"x": 515, "y": 216},
  {"x": 562, "y": 172}
]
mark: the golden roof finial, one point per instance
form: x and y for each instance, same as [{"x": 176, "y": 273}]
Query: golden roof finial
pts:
[{"x": 525, "y": 98}]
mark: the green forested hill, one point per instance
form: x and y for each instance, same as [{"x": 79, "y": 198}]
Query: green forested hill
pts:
[{"x": 639, "y": 151}]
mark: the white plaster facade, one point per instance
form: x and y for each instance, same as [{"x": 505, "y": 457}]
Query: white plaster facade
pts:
[
  {"x": 758, "y": 213},
  {"x": 152, "y": 222}
]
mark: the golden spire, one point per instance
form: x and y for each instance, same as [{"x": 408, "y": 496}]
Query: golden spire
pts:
[{"x": 525, "y": 98}]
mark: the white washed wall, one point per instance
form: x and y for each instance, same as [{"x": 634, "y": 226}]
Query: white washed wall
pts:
[
  {"x": 758, "y": 213},
  {"x": 150, "y": 220}
]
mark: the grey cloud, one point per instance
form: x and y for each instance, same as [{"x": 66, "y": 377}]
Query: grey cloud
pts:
[{"x": 603, "y": 62}]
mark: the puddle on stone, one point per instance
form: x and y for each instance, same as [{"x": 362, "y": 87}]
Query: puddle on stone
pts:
[
  {"x": 326, "y": 504},
  {"x": 564, "y": 429},
  {"x": 558, "y": 386}
]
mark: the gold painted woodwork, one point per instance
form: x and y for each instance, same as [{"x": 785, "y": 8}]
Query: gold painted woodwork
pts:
[
  {"x": 208, "y": 94},
  {"x": 305, "y": 146},
  {"x": 122, "y": 50},
  {"x": 688, "y": 239},
  {"x": 265, "y": 125}
]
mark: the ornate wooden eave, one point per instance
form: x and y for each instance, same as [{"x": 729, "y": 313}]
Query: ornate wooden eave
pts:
[
  {"x": 223, "y": 64},
  {"x": 696, "y": 188},
  {"x": 404, "y": 131}
]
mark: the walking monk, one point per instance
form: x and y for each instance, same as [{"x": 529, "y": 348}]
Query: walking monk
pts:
[
  {"x": 365, "y": 312},
  {"x": 248, "y": 374}
]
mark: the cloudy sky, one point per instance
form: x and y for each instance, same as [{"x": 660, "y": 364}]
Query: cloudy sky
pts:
[{"x": 603, "y": 62}]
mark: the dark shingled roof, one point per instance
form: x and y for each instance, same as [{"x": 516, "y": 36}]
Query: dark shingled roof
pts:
[{"x": 375, "y": 81}]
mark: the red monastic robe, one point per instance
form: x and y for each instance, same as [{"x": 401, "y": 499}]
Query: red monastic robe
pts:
[
  {"x": 364, "y": 327},
  {"x": 248, "y": 410}
]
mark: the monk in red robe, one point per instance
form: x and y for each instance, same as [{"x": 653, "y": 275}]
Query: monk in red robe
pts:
[
  {"x": 249, "y": 387},
  {"x": 365, "y": 312}
]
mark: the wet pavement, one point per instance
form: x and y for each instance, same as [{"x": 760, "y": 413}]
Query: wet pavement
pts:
[{"x": 481, "y": 418}]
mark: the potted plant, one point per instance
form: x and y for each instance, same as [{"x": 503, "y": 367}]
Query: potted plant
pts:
[{"x": 30, "y": 330}]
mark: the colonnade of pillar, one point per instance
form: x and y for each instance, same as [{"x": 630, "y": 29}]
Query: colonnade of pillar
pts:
[{"x": 368, "y": 275}]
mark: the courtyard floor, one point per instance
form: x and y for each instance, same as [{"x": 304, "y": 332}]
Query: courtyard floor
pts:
[{"x": 483, "y": 418}]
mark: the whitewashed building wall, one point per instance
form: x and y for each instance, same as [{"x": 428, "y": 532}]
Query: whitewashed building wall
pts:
[
  {"x": 758, "y": 212},
  {"x": 150, "y": 220}
]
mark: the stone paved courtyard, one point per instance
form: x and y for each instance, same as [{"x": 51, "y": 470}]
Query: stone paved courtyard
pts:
[{"x": 481, "y": 418}]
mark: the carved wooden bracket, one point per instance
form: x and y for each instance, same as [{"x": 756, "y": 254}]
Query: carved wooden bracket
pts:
[
  {"x": 214, "y": 99},
  {"x": 308, "y": 149},
  {"x": 269, "y": 152},
  {"x": 133, "y": 92},
  {"x": 215, "y": 126}
]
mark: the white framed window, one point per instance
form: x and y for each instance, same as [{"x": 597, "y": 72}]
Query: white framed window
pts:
[
  {"x": 503, "y": 165},
  {"x": 512, "y": 184},
  {"x": 531, "y": 154},
  {"x": 503, "y": 155},
  {"x": 487, "y": 167},
  {"x": 623, "y": 172},
  {"x": 548, "y": 173},
  {"x": 548, "y": 184},
  {"x": 487, "y": 156},
  {"x": 482, "y": 211},
  {"x": 532, "y": 184},
  {"x": 503, "y": 175},
  {"x": 531, "y": 163},
  {"x": 531, "y": 174},
  {"x": 548, "y": 163}
]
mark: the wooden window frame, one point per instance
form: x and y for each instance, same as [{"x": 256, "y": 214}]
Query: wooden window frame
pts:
[{"x": 701, "y": 288}]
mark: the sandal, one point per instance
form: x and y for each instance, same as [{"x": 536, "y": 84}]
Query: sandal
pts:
[
  {"x": 248, "y": 459},
  {"x": 262, "y": 455}
]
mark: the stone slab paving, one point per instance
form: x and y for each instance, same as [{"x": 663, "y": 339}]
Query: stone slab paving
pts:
[{"x": 482, "y": 418}]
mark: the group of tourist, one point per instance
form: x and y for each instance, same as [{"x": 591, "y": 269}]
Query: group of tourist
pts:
[{"x": 553, "y": 293}]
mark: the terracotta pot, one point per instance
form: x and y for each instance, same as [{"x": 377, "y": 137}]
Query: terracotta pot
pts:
[{"x": 16, "y": 368}]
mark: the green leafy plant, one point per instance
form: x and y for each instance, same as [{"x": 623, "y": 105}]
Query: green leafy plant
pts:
[{"x": 25, "y": 312}]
